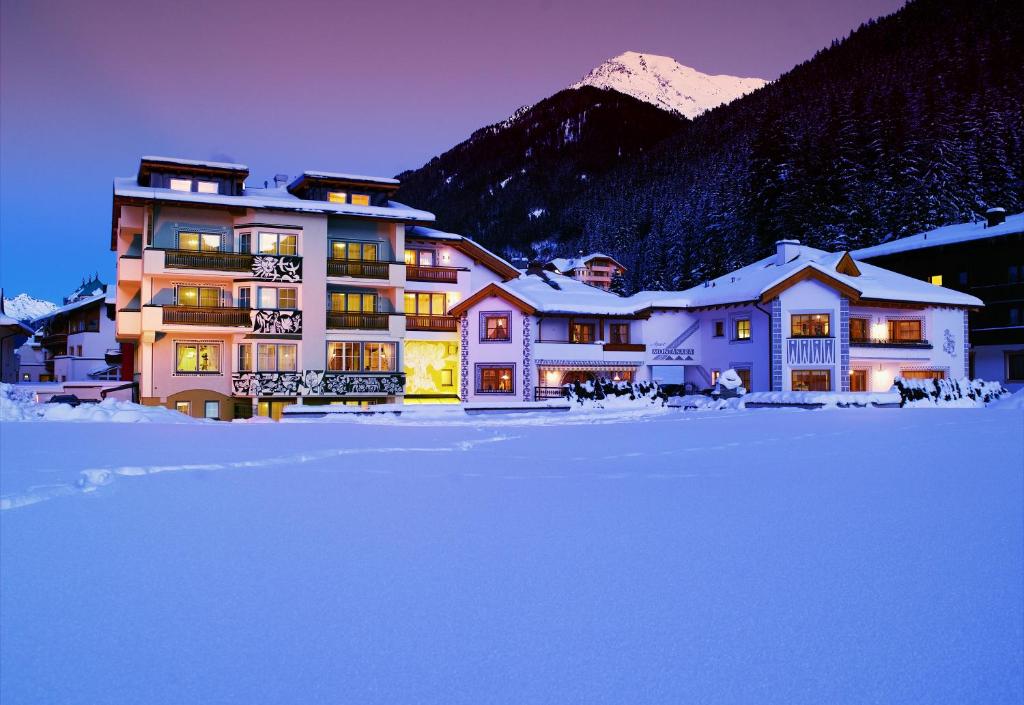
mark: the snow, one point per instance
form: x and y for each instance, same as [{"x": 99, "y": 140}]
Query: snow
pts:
[
  {"x": 17, "y": 404},
  {"x": 80, "y": 303},
  {"x": 667, "y": 84},
  {"x": 1010, "y": 402},
  {"x": 537, "y": 212},
  {"x": 348, "y": 177},
  {"x": 682, "y": 557},
  {"x": 571, "y": 296},
  {"x": 197, "y": 162},
  {"x": 27, "y": 308},
  {"x": 272, "y": 197},
  {"x": 566, "y": 265},
  {"x": 948, "y": 235}
]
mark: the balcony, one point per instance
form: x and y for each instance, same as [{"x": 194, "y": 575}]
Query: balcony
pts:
[
  {"x": 357, "y": 320},
  {"x": 360, "y": 269},
  {"x": 226, "y": 316},
  {"x": 887, "y": 343},
  {"x": 435, "y": 275},
  {"x": 54, "y": 340},
  {"x": 625, "y": 347},
  {"x": 278, "y": 268},
  {"x": 444, "y": 324}
]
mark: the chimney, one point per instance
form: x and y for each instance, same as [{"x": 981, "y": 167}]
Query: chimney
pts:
[
  {"x": 994, "y": 216},
  {"x": 280, "y": 180},
  {"x": 786, "y": 251}
]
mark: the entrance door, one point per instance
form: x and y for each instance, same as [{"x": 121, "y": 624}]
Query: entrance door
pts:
[
  {"x": 858, "y": 380},
  {"x": 272, "y": 407}
]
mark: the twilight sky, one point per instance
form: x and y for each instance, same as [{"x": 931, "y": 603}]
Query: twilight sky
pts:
[{"x": 371, "y": 87}]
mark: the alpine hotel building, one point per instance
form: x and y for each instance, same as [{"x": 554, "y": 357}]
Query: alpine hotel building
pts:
[{"x": 233, "y": 301}]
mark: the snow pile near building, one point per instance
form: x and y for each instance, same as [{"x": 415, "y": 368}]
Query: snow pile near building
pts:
[
  {"x": 1009, "y": 402},
  {"x": 605, "y": 394},
  {"x": 804, "y": 400},
  {"x": 947, "y": 392},
  {"x": 19, "y": 405}
]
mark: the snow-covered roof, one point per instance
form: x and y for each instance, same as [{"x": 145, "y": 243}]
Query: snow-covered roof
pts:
[
  {"x": 467, "y": 245},
  {"x": 102, "y": 296},
  {"x": 197, "y": 162},
  {"x": 271, "y": 197},
  {"x": 751, "y": 282},
  {"x": 947, "y": 235},
  {"x": 570, "y": 296},
  {"x": 567, "y": 264},
  {"x": 8, "y": 322},
  {"x": 348, "y": 177}
]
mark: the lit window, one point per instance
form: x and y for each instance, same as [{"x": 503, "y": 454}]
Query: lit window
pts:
[
  {"x": 744, "y": 375},
  {"x": 905, "y": 331},
  {"x": 336, "y": 196},
  {"x": 618, "y": 333},
  {"x": 812, "y": 380},
  {"x": 858, "y": 329},
  {"x": 447, "y": 378},
  {"x": 276, "y": 357},
  {"x": 360, "y": 199},
  {"x": 715, "y": 374},
  {"x": 379, "y": 357},
  {"x": 364, "y": 251},
  {"x": 410, "y": 256},
  {"x": 206, "y": 296},
  {"x": 181, "y": 184},
  {"x": 343, "y": 357},
  {"x": 183, "y": 407},
  {"x": 353, "y": 303},
  {"x": 935, "y": 279},
  {"x": 742, "y": 329},
  {"x": 207, "y": 187},
  {"x": 287, "y": 298},
  {"x": 809, "y": 325},
  {"x": 244, "y": 297},
  {"x": 206, "y": 242},
  {"x": 858, "y": 380},
  {"x": 244, "y": 358},
  {"x": 197, "y": 357},
  {"x": 211, "y": 410},
  {"x": 495, "y": 327},
  {"x": 495, "y": 379},
  {"x": 581, "y": 333},
  {"x": 923, "y": 374}
]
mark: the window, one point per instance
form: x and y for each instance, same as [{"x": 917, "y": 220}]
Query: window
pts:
[
  {"x": 809, "y": 325},
  {"x": 581, "y": 333},
  {"x": 245, "y": 297},
  {"x": 352, "y": 302},
  {"x": 183, "y": 407},
  {"x": 715, "y": 374},
  {"x": 420, "y": 258},
  {"x": 360, "y": 199},
  {"x": 336, "y": 196},
  {"x": 744, "y": 375},
  {"x": 364, "y": 251},
  {"x": 447, "y": 378},
  {"x": 270, "y": 297},
  {"x": 379, "y": 357},
  {"x": 858, "y": 380},
  {"x": 343, "y": 357},
  {"x": 201, "y": 358},
  {"x": 935, "y": 279},
  {"x": 812, "y": 380},
  {"x": 206, "y": 296},
  {"x": 288, "y": 298},
  {"x": 278, "y": 244},
  {"x": 495, "y": 379},
  {"x": 26, "y": 377},
  {"x": 923, "y": 374},
  {"x": 618, "y": 333},
  {"x": 742, "y": 329},
  {"x": 902, "y": 330},
  {"x": 181, "y": 184},
  {"x": 207, "y": 187},
  {"x": 245, "y": 242},
  {"x": 276, "y": 357},
  {"x": 1015, "y": 365},
  {"x": 199, "y": 242},
  {"x": 719, "y": 329},
  {"x": 495, "y": 327},
  {"x": 423, "y": 304},
  {"x": 211, "y": 410},
  {"x": 858, "y": 329},
  {"x": 244, "y": 358}
]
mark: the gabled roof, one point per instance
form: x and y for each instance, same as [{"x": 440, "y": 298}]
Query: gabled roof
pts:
[
  {"x": 13, "y": 325},
  {"x": 947, "y": 235},
  {"x": 102, "y": 297},
  {"x": 470, "y": 248},
  {"x": 563, "y": 264},
  {"x": 534, "y": 293}
]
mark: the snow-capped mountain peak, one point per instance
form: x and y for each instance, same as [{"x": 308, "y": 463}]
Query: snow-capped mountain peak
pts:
[
  {"x": 27, "y": 308},
  {"x": 664, "y": 82}
]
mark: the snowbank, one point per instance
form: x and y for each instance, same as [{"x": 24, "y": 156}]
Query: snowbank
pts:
[
  {"x": 963, "y": 392},
  {"x": 799, "y": 399},
  {"x": 1009, "y": 402},
  {"x": 19, "y": 405}
]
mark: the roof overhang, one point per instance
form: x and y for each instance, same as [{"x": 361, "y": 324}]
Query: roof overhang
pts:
[
  {"x": 487, "y": 292},
  {"x": 809, "y": 273}
]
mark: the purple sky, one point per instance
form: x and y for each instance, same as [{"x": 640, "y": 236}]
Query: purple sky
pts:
[{"x": 88, "y": 87}]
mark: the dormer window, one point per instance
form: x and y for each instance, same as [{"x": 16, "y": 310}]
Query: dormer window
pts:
[
  {"x": 207, "y": 187},
  {"x": 181, "y": 184},
  {"x": 337, "y": 196},
  {"x": 360, "y": 199}
]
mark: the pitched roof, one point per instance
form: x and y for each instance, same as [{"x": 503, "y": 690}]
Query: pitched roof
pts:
[
  {"x": 947, "y": 235},
  {"x": 564, "y": 264},
  {"x": 467, "y": 246},
  {"x": 535, "y": 293}
]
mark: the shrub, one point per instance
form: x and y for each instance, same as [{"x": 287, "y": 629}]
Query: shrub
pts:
[
  {"x": 946, "y": 391},
  {"x": 604, "y": 390}
]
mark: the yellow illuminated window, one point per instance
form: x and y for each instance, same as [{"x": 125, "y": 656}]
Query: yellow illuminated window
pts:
[
  {"x": 336, "y": 196},
  {"x": 181, "y": 184},
  {"x": 742, "y": 329},
  {"x": 206, "y": 186},
  {"x": 935, "y": 279},
  {"x": 183, "y": 407},
  {"x": 360, "y": 199}
]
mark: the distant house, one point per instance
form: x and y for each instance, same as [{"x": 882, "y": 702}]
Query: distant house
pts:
[
  {"x": 985, "y": 259},
  {"x": 12, "y": 334},
  {"x": 595, "y": 269}
]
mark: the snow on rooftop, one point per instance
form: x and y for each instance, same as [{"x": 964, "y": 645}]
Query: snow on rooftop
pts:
[
  {"x": 102, "y": 296},
  {"x": 271, "y": 197},
  {"x": 350, "y": 177},
  {"x": 946, "y": 235},
  {"x": 567, "y": 264},
  {"x": 571, "y": 296},
  {"x": 197, "y": 162}
]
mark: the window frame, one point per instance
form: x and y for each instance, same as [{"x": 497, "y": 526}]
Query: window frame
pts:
[
  {"x": 484, "y": 315},
  {"x": 260, "y": 347},
  {"x": 893, "y": 324},
  {"x": 206, "y": 409},
  {"x": 278, "y": 236},
  {"x": 187, "y": 407},
  {"x": 810, "y": 315},
  {"x": 432, "y": 299},
  {"x": 736, "y": 321},
  {"x": 813, "y": 371},
  {"x": 1008, "y": 354},
  {"x": 361, "y": 245},
  {"x": 575, "y": 326},
  {"x": 867, "y": 328},
  {"x": 392, "y": 355},
  {"x": 201, "y": 236},
  {"x": 356, "y": 345},
  {"x": 244, "y": 361},
  {"x": 622, "y": 340},
  {"x": 199, "y": 295},
  {"x": 374, "y": 297},
  {"x": 216, "y": 346},
  {"x": 718, "y": 328},
  {"x": 478, "y": 375}
]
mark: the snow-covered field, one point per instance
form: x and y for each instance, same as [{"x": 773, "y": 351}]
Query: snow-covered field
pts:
[{"x": 859, "y": 556}]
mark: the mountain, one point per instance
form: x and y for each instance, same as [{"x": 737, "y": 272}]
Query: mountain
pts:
[
  {"x": 662, "y": 81},
  {"x": 504, "y": 182},
  {"x": 913, "y": 121},
  {"x": 27, "y": 308}
]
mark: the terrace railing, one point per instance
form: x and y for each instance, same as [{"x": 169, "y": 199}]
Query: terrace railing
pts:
[
  {"x": 363, "y": 269},
  {"x": 228, "y": 316},
  {"x": 888, "y": 343},
  {"x": 444, "y": 324},
  {"x": 350, "y": 320},
  {"x": 439, "y": 275}
]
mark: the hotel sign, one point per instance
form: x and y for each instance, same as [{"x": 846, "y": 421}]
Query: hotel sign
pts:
[
  {"x": 681, "y": 349},
  {"x": 811, "y": 351}
]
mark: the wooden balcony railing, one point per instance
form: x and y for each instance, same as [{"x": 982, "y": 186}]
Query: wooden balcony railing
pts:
[
  {"x": 887, "y": 343},
  {"x": 624, "y": 347},
  {"x": 439, "y": 275},
  {"x": 54, "y": 339},
  {"x": 220, "y": 261},
  {"x": 357, "y": 320},
  {"x": 446, "y": 324},
  {"x": 362, "y": 269},
  {"x": 228, "y": 316}
]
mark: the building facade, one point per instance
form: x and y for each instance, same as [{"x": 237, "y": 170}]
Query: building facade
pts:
[
  {"x": 596, "y": 269},
  {"x": 986, "y": 260}
]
